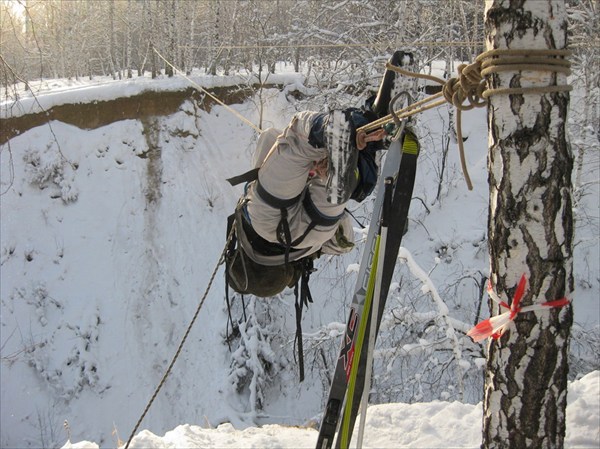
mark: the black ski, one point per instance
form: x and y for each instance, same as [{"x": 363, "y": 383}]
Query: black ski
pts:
[
  {"x": 341, "y": 374},
  {"x": 404, "y": 173},
  {"x": 401, "y": 200}
]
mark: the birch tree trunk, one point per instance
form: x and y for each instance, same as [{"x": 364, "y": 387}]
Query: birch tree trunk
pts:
[{"x": 530, "y": 232}]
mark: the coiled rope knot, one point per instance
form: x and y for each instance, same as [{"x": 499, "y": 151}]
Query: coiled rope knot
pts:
[
  {"x": 468, "y": 86},
  {"x": 470, "y": 89},
  {"x": 471, "y": 83}
]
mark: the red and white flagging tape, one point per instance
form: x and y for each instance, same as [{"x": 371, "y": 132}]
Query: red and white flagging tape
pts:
[{"x": 496, "y": 326}]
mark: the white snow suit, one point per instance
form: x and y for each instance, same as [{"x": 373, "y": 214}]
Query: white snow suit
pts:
[{"x": 285, "y": 160}]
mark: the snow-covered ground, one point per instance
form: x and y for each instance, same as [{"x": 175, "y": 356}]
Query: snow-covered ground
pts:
[
  {"x": 422, "y": 425},
  {"x": 107, "y": 247}
]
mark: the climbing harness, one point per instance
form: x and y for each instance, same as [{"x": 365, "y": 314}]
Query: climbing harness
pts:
[
  {"x": 291, "y": 273},
  {"x": 284, "y": 236}
]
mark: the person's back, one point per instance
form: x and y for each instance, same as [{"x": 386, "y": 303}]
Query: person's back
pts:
[{"x": 286, "y": 215}]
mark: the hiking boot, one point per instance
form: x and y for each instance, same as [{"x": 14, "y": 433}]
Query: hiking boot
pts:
[
  {"x": 391, "y": 84},
  {"x": 342, "y": 176}
]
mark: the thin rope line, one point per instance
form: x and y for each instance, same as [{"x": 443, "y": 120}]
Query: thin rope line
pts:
[
  {"x": 414, "y": 44},
  {"x": 199, "y": 87},
  {"x": 185, "y": 336},
  {"x": 358, "y": 45}
]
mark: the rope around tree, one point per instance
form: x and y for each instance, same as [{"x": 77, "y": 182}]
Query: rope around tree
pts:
[{"x": 470, "y": 90}]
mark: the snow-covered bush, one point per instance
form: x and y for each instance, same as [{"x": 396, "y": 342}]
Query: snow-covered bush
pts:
[
  {"x": 254, "y": 363},
  {"x": 63, "y": 357},
  {"x": 47, "y": 167}
]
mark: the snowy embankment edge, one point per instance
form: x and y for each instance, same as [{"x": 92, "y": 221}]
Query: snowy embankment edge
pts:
[{"x": 45, "y": 94}]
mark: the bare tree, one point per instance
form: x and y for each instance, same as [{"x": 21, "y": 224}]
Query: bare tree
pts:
[
  {"x": 530, "y": 232},
  {"x": 215, "y": 37},
  {"x": 172, "y": 32}
]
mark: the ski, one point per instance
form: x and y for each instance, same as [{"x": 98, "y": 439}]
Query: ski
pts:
[
  {"x": 342, "y": 375},
  {"x": 398, "y": 216},
  {"x": 366, "y": 273},
  {"x": 348, "y": 381},
  {"x": 341, "y": 158}
]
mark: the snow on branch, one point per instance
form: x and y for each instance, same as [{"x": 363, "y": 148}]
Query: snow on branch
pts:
[{"x": 428, "y": 287}]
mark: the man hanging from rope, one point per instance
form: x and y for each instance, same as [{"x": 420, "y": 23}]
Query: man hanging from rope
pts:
[{"x": 293, "y": 208}]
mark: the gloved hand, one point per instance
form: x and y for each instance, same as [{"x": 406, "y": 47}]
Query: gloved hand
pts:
[{"x": 360, "y": 118}]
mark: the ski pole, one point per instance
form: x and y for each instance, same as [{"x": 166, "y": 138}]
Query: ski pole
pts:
[{"x": 387, "y": 201}]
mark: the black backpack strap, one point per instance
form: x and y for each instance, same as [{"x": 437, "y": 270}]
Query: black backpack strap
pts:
[
  {"x": 307, "y": 269},
  {"x": 273, "y": 201},
  {"x": 284, "y": 236},
  {"x": 303, "y": 297},
  {"x": 249, "y": 176},
  {"x": 229, "y": 317},
  {"x": 233, "y": 241},
  {"x": 229, "y": 254},
  {"x": 298, "y": 339}
]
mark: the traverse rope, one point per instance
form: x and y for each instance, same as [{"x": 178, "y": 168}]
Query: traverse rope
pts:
[
  {"x": 199, "y": 87},
  {"x": 212, "y": 277},
  {"x": 470, "y": 90},
  {"x": 185, "y": 336}
]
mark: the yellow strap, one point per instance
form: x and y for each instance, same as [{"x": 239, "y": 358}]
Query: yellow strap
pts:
[{"x": 410, "y": 144}]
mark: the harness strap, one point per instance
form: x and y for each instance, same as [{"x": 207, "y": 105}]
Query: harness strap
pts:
[
  {"x": 259, "y": 244},
  {"x": 316, "y": 215},
  {"x": 230, "y": 252},
  {"x": 298, "y": 339},
  {"x": 302, "y": 299},
  {"x": 279, "y": 203},
  {"x": 250, "y": 175},
  {"x": 274, "y": 201},
  {"x": 229, "y": 255},
  {"x": 284, "y": 236}
]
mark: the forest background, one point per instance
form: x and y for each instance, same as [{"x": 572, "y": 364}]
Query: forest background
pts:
[{"x": 333, "y": 39}]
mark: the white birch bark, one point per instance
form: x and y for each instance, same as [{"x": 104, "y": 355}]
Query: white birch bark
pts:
[{"x": 530, "y": 232}]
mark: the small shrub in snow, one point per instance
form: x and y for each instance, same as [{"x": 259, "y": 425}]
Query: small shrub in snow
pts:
[
  {"x": 38, "y": 297},
  {"x": 48, "y": 168},
  {"x": 63, "y": 357},
  {"x": 253, "y": 363}
]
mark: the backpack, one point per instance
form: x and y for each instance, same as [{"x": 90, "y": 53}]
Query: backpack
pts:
[{"x": 245, "y": 276}]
